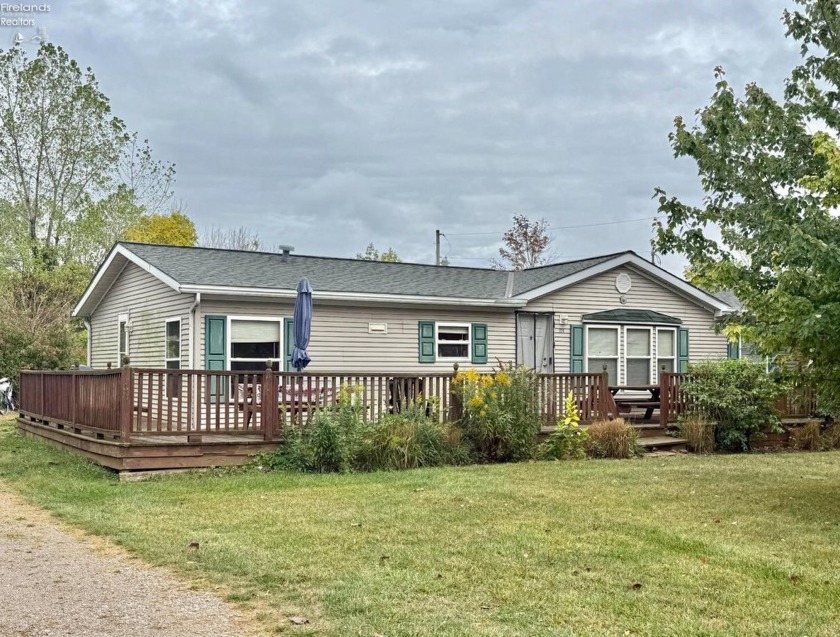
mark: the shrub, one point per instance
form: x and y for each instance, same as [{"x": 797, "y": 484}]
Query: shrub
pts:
[
  {"x": 738, "y": 395},
  {"x": 832, "y": 436},
  {"x": 338, "y": 440},
  {"x": 568, "y": 440},
  {"x": 810, "y": 437},
  {"x": 613, "y": 439},
  {"x": 699, "y": 432},
  {"x": 329, "y": 443},
  {"x": 500, "y": 418},
  {"x": 408, "y": 440}
]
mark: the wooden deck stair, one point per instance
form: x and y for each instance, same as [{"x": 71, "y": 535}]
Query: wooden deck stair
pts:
[{"x": 652, "y": 437}]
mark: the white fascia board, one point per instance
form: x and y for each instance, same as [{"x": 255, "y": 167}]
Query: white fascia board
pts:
[
  {"x": 106, "y": 266},
  {"x": 638, "y": 262},
  {"x": 359, "y": 297}
]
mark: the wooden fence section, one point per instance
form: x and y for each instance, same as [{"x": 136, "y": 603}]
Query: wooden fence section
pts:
[
  {"x": 799, "y": 402},
  {"x": 82, "y": 399},
  {"x": 591, "y": 393}
]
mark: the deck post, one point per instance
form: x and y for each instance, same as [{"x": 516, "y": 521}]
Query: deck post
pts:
[
  {"x": 73, "y": 395},
  {"x": 41, "y": 395},
  {"x": 664, "y": 398},
  {"x": 269, "y": 404},
  {"x": 126, "y": 402}
]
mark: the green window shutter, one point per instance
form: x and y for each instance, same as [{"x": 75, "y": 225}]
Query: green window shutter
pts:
[
  {"x": 215, "y": 350},
  {"x": 289, "y": 345},
  {"x": 426, "y": 341},
  {"x": 733, "y": 350},
  {"x": 479, "y": 343},
  {"x": 682, "y": 350},
  {"x": 577, "y": 349}
]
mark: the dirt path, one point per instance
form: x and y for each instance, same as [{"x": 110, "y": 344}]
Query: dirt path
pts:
[{"x": 55, "y": 582}]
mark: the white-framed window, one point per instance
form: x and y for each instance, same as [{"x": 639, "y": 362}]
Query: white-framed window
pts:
[
  {"x": 637, "y": 355},
  {"x": 172, "y": 356},
  {"x": 452, "y": 341},
  {"x": 122, "y": 338},
  {"x": 602, "y": 350},
  {"x": 173, "y": 343},
  {"x": 253, "y": 340},
  {"x": 666, "y": 350}
]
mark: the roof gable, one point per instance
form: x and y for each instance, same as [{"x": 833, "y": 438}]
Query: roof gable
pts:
[{"x": 610, "y": 262}]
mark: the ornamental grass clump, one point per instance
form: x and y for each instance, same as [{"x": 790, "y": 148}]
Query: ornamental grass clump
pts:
[
  {"x": 411, "y": 439},
  {"x": 699, "y": 432},
  {"x": 568, "y": 441},
  {"x": 613, "y": 439},
  {"x": 810, "y": 437},
  {"x": 499, "y": 415}
]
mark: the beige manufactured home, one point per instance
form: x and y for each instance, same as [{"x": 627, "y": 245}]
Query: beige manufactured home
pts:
[{"x": 198, "y": 308}]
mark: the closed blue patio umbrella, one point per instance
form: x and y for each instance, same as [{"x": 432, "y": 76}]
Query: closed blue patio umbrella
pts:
[{"x": 303, "y": 325}]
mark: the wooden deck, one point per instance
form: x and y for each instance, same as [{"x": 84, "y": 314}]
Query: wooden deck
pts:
[
  {"x": 143, "y": 452},
  {"x": 145, "y": 419}
]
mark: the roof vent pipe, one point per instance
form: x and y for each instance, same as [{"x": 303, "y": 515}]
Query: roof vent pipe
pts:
[{"x": 285, "y": 251}]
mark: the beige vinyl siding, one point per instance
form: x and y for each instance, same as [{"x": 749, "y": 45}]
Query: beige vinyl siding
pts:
[
  {"x": 598, "y": 293},
  {"x": 341, "y": 342},
  {"x": 149, "y": 303}
]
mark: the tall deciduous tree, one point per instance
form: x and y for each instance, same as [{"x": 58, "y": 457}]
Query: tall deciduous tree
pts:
[
  {"x": 525, "y": 245},
  {"x": 766, "y": 227},
  {"x": 175, "y": 229},
  {"x": 240, "y": 238},
  {"x": 71, "y": 176},
  {"x": 372, "y": 254}
]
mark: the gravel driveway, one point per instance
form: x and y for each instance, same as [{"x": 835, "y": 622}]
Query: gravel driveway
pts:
[{"x": 55, "y": 582}]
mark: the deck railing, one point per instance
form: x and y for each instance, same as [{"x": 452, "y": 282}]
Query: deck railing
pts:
[{"x": 134, "y": 402}]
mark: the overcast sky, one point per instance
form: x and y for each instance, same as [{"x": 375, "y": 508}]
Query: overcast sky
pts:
[{"x": 327, "y": 125}]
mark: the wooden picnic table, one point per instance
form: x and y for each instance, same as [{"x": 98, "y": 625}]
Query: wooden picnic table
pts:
[
  {"x": 297, "y": 397},
  {"x": 650, "y": 402}
]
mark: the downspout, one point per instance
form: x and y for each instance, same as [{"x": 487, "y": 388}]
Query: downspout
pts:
[
  {"x": 89, "y": 338},
  {"x": 193, "y": 340}
]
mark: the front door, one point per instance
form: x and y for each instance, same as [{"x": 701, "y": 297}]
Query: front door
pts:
[{"x": 535, "y": 341}]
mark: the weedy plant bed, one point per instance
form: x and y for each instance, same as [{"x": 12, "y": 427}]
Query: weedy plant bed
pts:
[{"x": 742, "y": 545}]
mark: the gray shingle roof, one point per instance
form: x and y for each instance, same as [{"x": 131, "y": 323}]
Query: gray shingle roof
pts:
[{"x": 208, "y": 266}]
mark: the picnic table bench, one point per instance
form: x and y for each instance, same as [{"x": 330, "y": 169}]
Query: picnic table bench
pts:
[
  {"x": 298, "y": 398},
  {"x": 626, "y": 403}
]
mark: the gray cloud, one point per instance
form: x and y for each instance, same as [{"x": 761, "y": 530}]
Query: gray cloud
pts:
[{"x": 328, "y": 125}]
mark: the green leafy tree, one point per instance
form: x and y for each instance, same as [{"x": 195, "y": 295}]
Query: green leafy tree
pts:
[
  {"x": 526, "y": 245},
  {"x": 175, "y": 229},
  {"x": 372, "y": 254},
  {"x": 72, "y": 178},
  {"x": 766, "y": 227}
]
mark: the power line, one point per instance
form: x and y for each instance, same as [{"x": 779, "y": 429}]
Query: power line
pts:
[
  {"x": 560, "y": 256},
  {"x": 582, "y": 225}
]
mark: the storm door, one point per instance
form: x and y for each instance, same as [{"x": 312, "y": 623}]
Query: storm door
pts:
[{"x": 535, "y": 341}]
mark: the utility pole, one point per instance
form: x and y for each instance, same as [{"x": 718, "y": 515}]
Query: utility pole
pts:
[{"x": 438, "y": 235}]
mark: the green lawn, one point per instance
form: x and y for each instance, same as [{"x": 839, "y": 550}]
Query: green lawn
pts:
[{"x": 728, "y": 545}]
